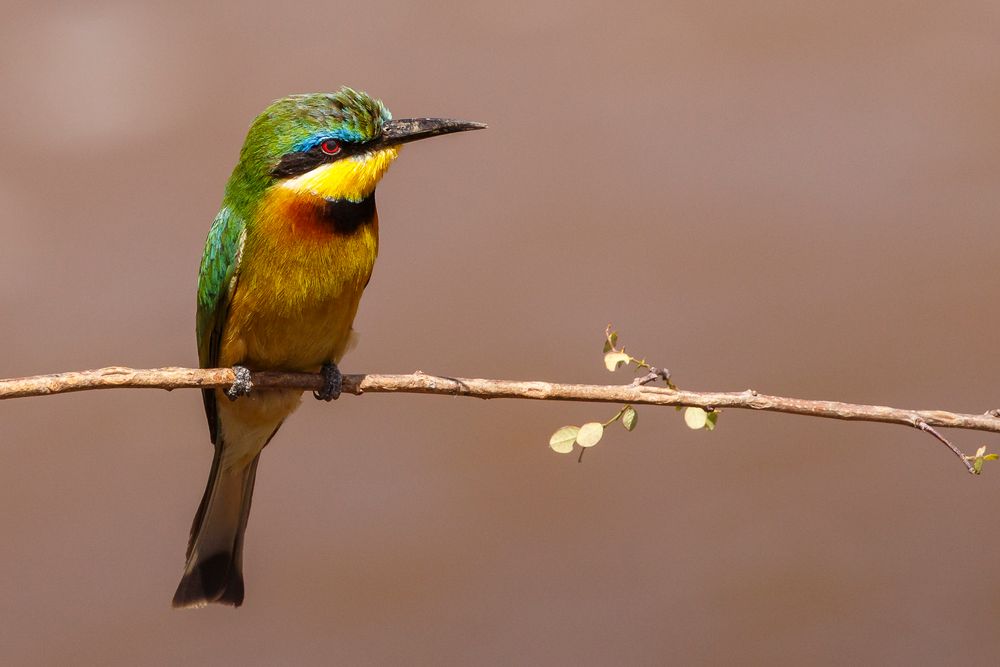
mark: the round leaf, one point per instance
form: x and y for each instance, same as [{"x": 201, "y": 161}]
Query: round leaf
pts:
[
  {"x": 612, "y": 360},
  {"x": 695, "y": 418},
  {"x": 563, "y": 439},
  {"x": 590, "y": 434}
]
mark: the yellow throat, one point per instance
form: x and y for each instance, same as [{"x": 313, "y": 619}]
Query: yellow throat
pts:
[{"x": 352, "y": 178}]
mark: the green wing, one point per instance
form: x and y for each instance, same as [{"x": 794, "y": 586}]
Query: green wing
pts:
[{"x": 216, "y": 283}]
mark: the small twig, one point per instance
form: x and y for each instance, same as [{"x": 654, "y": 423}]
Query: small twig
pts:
[
  {"x": 923, "y": 426},
  {"x": 653, "y": 375},
  {"x": 421, "y": 383}
]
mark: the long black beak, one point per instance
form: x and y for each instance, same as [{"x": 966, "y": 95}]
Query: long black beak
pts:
[{"x": 405, "y": 130}]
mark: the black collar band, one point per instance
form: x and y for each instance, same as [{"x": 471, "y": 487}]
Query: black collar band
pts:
[{"x": 346, "y": 216}]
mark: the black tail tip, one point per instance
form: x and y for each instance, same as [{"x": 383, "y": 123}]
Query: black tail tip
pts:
[{"x": 214, "y": 579}]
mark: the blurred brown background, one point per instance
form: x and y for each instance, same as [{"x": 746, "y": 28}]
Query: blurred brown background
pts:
[{"x": 796, "y": 197}]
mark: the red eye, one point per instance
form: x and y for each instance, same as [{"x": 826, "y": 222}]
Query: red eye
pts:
[{"x": 330, "y": 147}]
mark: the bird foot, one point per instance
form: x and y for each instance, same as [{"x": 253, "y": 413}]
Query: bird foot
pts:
[
  {"x": 333, "y": 381},
  {"x": 242, "y": 385}
]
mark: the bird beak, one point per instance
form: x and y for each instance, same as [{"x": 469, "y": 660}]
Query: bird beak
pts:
[{"x": 405, "y": 130}]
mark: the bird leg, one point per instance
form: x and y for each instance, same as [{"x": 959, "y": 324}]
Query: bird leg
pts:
[
  {"x": 242, "y": 385},
  {"x": 333, "y": 380}
]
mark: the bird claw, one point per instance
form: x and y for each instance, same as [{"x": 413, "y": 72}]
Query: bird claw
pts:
[
  {"x": 242, "y": 385},
  {"x": 333, "y": 381}
]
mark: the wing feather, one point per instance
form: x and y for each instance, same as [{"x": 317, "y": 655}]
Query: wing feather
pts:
[{"x": 217, "y": 281}]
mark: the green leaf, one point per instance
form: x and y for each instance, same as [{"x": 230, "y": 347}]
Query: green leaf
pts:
[
  {"x": 610, "y": 340},
  {"x": 590, "y": 434},
  {"x": 977, "y": 462},
  {"x": 613, "y": 360},
  {"x": 991, "y": 457},
  {"x": 563, "y": 439},
  {"x": 629, "y": 418},
  {"x": 695, "y": 418},
  {"x": 711, "y": 419}
]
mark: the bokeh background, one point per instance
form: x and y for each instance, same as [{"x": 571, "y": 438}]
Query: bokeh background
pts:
[{"x": 796, "y": 197}]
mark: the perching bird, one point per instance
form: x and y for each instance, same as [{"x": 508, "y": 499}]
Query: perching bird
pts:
[{"x": 286, "y": 261}]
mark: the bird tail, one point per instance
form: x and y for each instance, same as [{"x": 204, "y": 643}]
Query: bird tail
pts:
[{"x": 214, "y": 570}]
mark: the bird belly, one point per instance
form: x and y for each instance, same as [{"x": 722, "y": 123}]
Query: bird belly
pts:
[{"x": 300, "y": 340}]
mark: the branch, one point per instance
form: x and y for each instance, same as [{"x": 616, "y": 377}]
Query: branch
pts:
[{"x": 422, "y": 383}]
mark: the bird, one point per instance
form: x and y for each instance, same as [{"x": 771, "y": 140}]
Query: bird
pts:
[{"x": 286, "y": 261}]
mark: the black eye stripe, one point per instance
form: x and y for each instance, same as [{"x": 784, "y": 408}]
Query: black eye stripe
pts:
[{"x": 296, "y": 164}]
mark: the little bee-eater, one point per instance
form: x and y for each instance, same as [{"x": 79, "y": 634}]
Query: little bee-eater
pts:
[{"x": 286, "y": 261}]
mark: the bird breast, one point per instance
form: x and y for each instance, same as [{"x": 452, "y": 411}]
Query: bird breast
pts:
[{"x": 299, "y": 283}]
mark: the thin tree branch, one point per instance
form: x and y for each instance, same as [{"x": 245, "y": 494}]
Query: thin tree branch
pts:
[
  {"x": 923, "y": 426},
  {"x": 422, "y": 383}
]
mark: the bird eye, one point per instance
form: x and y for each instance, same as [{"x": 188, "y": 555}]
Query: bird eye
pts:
[{"x": 330, "y": 147}]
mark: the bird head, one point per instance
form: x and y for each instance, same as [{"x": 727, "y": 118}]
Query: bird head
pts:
[{"x": 335, "y": 146}]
